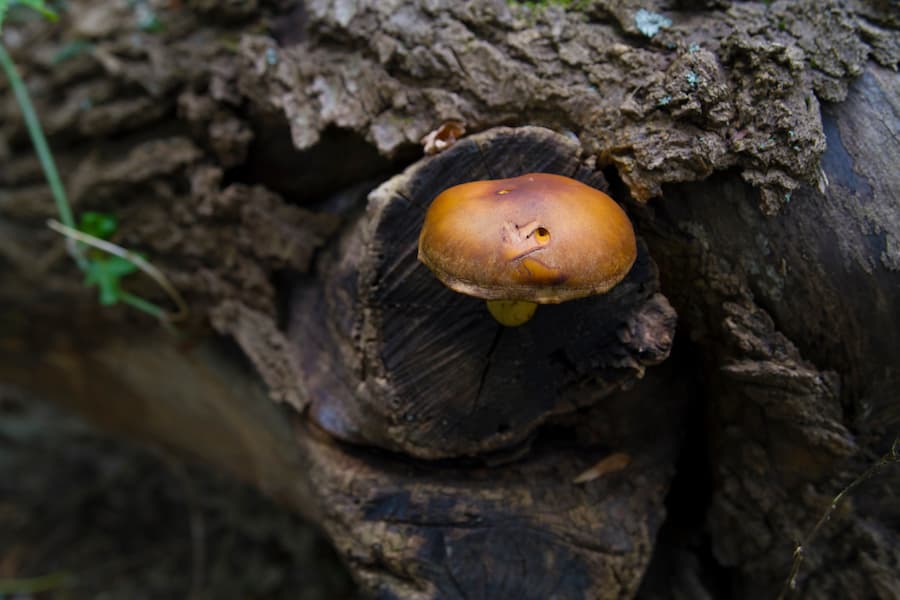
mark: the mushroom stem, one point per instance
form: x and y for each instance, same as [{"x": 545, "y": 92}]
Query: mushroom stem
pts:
[{"x": 511, "y": 313}]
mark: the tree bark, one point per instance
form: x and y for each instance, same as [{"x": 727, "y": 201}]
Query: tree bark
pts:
[
  {"x": 797, "y": 322},
  {"x": 754, "y": 144}
]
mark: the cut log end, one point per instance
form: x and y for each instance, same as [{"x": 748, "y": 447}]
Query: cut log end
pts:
[{"x": 396, "y": 360}]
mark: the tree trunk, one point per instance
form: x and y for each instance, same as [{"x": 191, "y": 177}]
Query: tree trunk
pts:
[{"x": 444, "y": 455}]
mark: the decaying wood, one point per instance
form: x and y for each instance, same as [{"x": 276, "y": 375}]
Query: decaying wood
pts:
[
  {"x": 237, "y": 148},
  {"x": 408, "y": 528},
  {"x": 711, "y": 89},
  {"x": 797, "y": 317},
  {"x": 393, "y": 358}
]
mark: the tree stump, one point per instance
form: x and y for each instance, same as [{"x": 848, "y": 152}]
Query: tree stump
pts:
[
  {"x": 394, "y": 359},
  {"x": 419, "y": 530},
  {"x": 214, "y": 141}
]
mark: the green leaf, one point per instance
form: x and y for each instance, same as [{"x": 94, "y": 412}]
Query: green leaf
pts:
[
  {"x": 108, "y": 284},
  {"x": 119, "y": 267},
  {"x": 105, "y": 273},
  {"x": 97, "y": 224}
]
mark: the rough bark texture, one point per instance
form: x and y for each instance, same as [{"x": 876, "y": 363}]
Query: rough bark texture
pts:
[
  {"x": 798, "y": 319},
  {"x": 244, "y": 138}
]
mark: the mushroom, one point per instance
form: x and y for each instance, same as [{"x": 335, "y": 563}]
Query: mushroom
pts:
[{"x": 534, "y": 239}]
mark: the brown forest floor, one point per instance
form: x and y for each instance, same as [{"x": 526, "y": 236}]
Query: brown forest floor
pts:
[{"x": 104, "y": 518}]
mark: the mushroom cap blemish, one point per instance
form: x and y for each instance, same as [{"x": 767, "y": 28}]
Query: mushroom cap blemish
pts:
[{"x": 539, "y": 237}]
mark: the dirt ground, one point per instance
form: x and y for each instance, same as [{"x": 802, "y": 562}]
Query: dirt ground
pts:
[{"x": 84, "y": 514}]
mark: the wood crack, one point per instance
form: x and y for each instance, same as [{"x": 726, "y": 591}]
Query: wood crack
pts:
[{"x": 487, "y": 366}]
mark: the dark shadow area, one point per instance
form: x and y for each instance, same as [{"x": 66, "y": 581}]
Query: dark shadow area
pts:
[
  {"x": 340, "y": 159},
  {"x": 87, "y": 515},
  {"x": 683, "y": 566}
]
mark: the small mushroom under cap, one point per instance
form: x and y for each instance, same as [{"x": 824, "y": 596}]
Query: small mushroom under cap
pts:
[{"x": 538, "y": 238}]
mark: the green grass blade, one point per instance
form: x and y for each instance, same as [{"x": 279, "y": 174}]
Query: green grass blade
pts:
[
  {"x": 143, "y": 305},
  {"x": 37, "y": 5},
  {"x": 37, "y": 137}
]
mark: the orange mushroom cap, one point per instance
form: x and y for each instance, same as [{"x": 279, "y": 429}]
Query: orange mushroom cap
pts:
[{"x": 540, "y": 238}]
